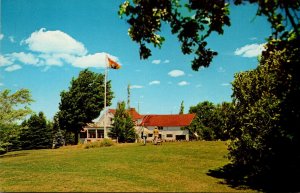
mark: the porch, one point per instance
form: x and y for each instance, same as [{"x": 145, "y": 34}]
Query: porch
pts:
[{"x": 91, "y": 134}]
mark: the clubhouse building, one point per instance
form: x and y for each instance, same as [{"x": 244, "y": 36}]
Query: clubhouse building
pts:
[{"x": 171, "y": 126}]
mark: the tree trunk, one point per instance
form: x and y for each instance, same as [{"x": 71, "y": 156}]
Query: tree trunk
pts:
[{"x": 76, "y": 138}]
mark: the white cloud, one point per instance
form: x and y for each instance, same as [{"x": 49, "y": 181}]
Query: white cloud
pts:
[
  {"x": 225, "y": 84},
  {"x": 26, "y": 58},
  {"x": 1, "y": 84},
  {"x": 12, "y": 39},
  {"x": 54, "y": 48},
  {"x": 136, "y": 86},
  {"x": 13, "y": 68},
  {"x": 167, "y": 61},
  {"x": 250, "y": 50},
  {"x": 1, "y": 36},
  {"x": 156, "y": 61},
  {"x": 176, "y": 73},
  {"x": 54, "y": 42},
  {"x": 154, "y": 82},
  {"x": 183, "y": 83},
  {"x": 51, "y": 60},
  {"x": 92, "y": 60},
  {"x": 5, "y": 61}
]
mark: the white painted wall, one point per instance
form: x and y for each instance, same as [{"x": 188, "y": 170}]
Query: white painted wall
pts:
[{"x": 169, "y": 130}]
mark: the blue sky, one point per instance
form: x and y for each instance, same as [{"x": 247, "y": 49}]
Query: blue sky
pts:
[{"x": 43, "y": 44}]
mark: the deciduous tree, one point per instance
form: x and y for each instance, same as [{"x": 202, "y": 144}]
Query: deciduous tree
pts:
[
  {"x": 266, "y": 138},
  {"x": 194, "y": 21},
  {"x": 83, "y": 101},
  {"x": 13, "y": 108},
  {"x": 203, "y": 124}
]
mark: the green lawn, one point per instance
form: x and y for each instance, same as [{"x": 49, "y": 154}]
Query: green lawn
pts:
[{"x": 176, "y": 167}]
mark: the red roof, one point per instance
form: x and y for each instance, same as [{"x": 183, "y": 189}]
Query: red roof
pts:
[
  {"x": 132, "y": 112},
  {"x": 112, "y": 111},
  {"x": 168, "y": 120},
  {"x": 135, "y": 115}
]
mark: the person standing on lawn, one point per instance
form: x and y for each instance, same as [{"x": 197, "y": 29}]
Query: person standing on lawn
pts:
[
  {"x": 144, "y": 135},
  {"x": 156, "y": 135}
]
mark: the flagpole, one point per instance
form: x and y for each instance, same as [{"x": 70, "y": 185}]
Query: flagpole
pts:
[{"x": 105, "y": 74}]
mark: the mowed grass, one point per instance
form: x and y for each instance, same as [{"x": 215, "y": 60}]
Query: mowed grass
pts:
[{"x": 171, "y": 167}]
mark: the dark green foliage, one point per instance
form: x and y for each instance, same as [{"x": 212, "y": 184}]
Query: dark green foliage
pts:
[
  {"x": 193, "y": 21},
  {"x": 145, "y": 18},
  {"x": 123, "y": 126},
  {"x": 212, "y": 121},
  {"x": 58, "y": 134},
  {"x": 266, "y": 139},
  {"x": 82, "y": 102},
  {"x": 263, "y": 122},
  {"x": 223, "y": 120},
  {"x": 36, "y": 133},
  {"x": 204, "y": 113}
]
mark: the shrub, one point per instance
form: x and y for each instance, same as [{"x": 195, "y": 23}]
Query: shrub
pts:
[{"x": 97, "y": 144}]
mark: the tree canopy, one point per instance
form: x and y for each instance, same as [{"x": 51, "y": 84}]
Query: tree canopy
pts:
[
  {"x": 123, "y": 126},
  {"x": 266, "y": 136},
  {"x": 36, "y": 132},
  {"x": 194, "y": 21},
  {"x": 83, "y": 101},
  {"x": 13, "y": 108},
  {"x": 212, "y": 121},
  {"x": 264, "y": 125}
]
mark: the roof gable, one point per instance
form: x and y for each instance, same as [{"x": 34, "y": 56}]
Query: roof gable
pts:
[
  {"x": 132, "y": 112},
  {"x": 181, "y": 120}
]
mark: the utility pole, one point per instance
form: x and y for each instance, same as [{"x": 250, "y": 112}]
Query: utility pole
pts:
[{"x": 128, "y": 96}]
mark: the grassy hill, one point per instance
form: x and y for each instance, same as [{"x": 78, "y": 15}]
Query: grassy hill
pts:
[{"x": 176, "y": 167}]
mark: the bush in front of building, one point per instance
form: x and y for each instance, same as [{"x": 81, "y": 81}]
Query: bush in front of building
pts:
[{"x": 98, "y": 144}]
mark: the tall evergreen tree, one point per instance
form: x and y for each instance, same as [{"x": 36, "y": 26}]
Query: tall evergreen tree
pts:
[
  {"x": 36, "y": 133},
  {"x": 83, "y": 101},
  {"x": 123, "y": 126}
]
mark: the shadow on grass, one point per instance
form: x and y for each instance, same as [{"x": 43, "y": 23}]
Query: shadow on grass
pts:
[
  {"x": 279, "y": 181},
  {"x": 13, "y": 155}
]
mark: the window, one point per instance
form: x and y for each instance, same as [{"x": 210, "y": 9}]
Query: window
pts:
[
  {"x": 160, "y": 128},
  {"x": 100, "y": 133},
  {"x": 92, "y": 133},
  {"x": 180, "y": 137},
  {"x": 169, "y": 135}
]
